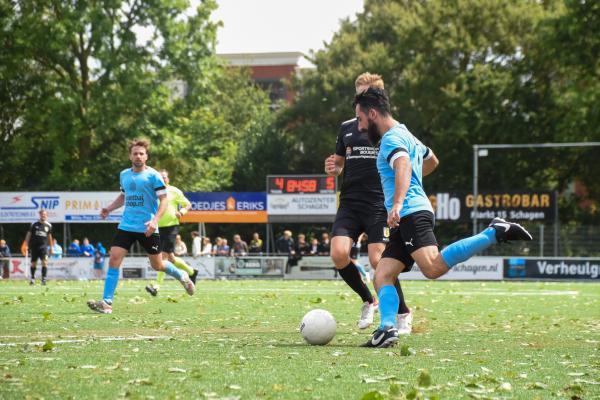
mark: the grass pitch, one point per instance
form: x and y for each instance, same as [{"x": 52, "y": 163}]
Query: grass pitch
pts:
[{"x": 240, "y": 340}]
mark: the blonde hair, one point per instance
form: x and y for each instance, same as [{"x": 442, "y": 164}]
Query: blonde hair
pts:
[{"x": 372, "y": 80}]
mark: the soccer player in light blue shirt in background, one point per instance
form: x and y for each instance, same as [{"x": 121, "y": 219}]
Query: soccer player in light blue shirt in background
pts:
[
  {"x": 141, "y": 187},
  {"x": 402, "y": 162}
]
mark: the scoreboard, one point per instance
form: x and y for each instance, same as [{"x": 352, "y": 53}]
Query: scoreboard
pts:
[
  {"x": 301, "y": 198},
  {"x": 301, "y": 184}
]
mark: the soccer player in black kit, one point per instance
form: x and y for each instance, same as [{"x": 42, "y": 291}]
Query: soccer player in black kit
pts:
[
  {"x": 361, "y": 210},
  {"x": 38, "y": 239}
]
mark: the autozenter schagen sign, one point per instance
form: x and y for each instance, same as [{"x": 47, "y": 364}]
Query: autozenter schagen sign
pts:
[{"x": 513, "y": 205}]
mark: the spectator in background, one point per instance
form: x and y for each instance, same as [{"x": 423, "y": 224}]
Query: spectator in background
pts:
[
  {"x": 314, "y": 247},
  {"x": 57, "y": 251},
  {"x": 99, "y": 258},
  {"x": 207, "y": 247},
  {"x": 256, "y": 244},
  {"x": 239, "y": 247},
  {"x": 87, "y": 249},
  {"x": 285, "y": 244},
  {"x": 4, "y": 259},
  {"x": 223, "y": 249},
  {"x": 180, "y": 247},
  {"x": 302, "y": 247},
  {"x": 215, "y": 248},
  {"x": 325, "y": 245},
  {"x": 74, "y": 250},
  {"x": 196, "y": 244}
]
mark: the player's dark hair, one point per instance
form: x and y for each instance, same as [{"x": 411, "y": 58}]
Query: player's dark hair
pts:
[
  {"x": 145, "y": 143},
  {"x": 373, "y": 98}
]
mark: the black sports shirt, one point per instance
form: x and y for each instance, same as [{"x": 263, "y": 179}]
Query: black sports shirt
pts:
[
  {"x": 39, "y": 234},
  {"x": 360, "y": 177}
]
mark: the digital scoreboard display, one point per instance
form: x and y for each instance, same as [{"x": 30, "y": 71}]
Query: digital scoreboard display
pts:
[{"x": 301, "y": 184}]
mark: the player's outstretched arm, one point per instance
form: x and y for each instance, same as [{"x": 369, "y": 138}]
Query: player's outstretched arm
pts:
[
  {"x": 430, "y": 163},
  {"x": 184, "y": 206},
  {"x": 334, "y": 164},
  {"x": 118, "y": 203},
  {"x": 152, "y": 225},
  {"x": 25, "y": 245}
]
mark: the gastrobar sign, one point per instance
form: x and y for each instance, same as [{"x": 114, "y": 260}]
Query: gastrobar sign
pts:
[
  {"x": 514, "y": 205},
  {"x": 23, "y": 207}
]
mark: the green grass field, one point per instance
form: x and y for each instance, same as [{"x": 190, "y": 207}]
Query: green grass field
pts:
[{"x": 240, "y": 339}]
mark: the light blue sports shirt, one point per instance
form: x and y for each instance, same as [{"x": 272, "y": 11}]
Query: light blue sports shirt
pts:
[
  {"x": 141, "y": 190},
  {"x": 395, "y": 143}
]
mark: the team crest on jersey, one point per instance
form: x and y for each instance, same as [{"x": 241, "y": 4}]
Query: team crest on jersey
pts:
[{"x": 348, "y": 150}]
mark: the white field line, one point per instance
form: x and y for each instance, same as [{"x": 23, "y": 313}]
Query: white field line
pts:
[
  {"x": 316, "y": 291},
  {"x": 89, "y": 339}
]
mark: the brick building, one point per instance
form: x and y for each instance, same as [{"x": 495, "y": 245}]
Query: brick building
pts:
[{"x": 270, "y": 70}]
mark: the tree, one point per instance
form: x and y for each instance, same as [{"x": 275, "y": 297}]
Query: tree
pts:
[
  {"x": 456, "y": 76},
  {"x": 78, "y": 78}
]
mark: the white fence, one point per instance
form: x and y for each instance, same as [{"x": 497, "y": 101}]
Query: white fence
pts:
[{"x": 476, "y": 268}]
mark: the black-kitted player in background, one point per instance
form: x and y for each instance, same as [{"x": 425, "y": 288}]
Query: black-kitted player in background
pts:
[
  {"x": 39, "y": 239},
  {"x": 361, "y": 210}
]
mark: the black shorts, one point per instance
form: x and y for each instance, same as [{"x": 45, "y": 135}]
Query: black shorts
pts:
[
  {"x": 39, "y": 253},
  {"x": 125, "y": 239},
  {"x": 167, "y": 238},
  {"x": 352, "y": 219},
  {"x": 415, "y": 231}
]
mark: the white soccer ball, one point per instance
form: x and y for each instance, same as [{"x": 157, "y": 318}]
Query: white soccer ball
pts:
[{"x": 318, "y": 327}]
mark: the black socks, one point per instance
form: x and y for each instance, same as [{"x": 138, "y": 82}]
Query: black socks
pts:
[
  {"x": 402, "y": 309},
  {"x": 352, "y": 277}
]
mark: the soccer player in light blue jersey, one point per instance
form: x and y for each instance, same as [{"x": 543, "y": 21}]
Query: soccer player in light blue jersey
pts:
[
  {"x": 402, "y": 162},
  {"x": 141, "y": 187}
]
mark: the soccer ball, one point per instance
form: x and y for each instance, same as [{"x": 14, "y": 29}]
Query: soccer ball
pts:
[{"x": 318, "y": 327}]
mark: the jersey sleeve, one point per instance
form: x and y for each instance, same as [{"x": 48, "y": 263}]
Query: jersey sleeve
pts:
[
  {"x": 49, "y": 228},
  {"x": 394, "y": 147},
  {"x": 340, "y": 149},
  {"x": 32, "y": 228},
  {"x": 427, "y": 153},
  {"x": 182, "y": 201},
  {"x": 158, "y": 185}
]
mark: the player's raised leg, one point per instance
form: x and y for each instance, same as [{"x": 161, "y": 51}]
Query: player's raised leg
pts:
[
  {"x": 434, "y": 263},
  {"x": 159, "y": 264}
]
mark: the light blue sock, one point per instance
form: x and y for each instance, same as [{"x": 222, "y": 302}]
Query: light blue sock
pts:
[
  {"x": 172, "y": 270},
  {"x": 110, "y": 284},
  {"x": 464, "y": 249},
  {"x": 388, "y": 305},
  {"x": 361, "y": 269}
]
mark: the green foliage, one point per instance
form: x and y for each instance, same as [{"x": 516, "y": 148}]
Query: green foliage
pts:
[
  {"x": 462, "y": 73},
  {"x": 80, "y": 78}
]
